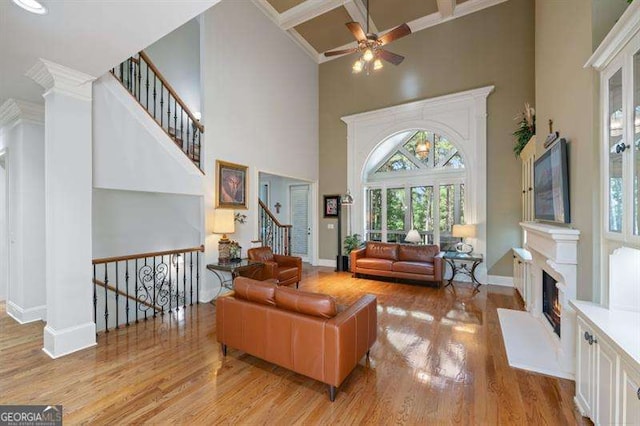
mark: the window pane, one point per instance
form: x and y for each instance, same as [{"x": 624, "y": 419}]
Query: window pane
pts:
[
  {"x": 615, "y": 158},
  {"x": 420, "y": 138},
  {"x": 422, "y": 210},
  {"x": 398, "y": 162},
  {"x": 374, "y": 236},
  {"x": 636, "y": 142},
  {"x": 396, "y": 237},
  {"x": 395, "y": 209},
  {"x": 462, "y": 203},
  {"x": 447, "y": 214},
  {"x": 444, "y": 151},
  {"x": 374, "y": 211},
  {"x": 455, "y": 162}
]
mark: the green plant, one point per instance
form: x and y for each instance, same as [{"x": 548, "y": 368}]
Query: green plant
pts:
[
  {"x": 352, "y": 242},
  {"x": 526, "y": 128}
]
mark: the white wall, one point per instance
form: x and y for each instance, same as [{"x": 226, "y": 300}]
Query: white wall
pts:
[
  {"x": 131, "y": 222},
  {"x": 3, "y": 231},
  {"x": 260, "y": 107},
  {"x": 24, "y": 144},
  {"x": 177, "y": 56},
  {"x": 131, "y": 151}
]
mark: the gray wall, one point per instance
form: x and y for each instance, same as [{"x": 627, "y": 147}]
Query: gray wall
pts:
[{"x": 491, "y": 47}]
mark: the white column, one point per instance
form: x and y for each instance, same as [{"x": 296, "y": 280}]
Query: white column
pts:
[
  {"x": 68, "y": 189},
  {"x": 23, "y": 263}
]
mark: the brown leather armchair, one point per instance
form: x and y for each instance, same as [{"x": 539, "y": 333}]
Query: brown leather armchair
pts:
[{"x": 286, "y": 269}]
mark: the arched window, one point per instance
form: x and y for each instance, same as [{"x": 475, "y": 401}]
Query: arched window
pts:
[{"x": 419, "y": 184}]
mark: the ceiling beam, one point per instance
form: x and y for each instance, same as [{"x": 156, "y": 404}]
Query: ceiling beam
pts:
[
  {"x": 306, "y": 11},
  {"x": 358, "y": 13},
  {"x": 446, "y": 7}
]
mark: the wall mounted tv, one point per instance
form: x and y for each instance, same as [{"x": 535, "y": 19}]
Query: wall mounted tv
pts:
[{"x": 551, "y": 189}]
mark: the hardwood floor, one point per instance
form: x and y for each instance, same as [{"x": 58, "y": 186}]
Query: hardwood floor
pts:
[{"x": 439, "y": 359}]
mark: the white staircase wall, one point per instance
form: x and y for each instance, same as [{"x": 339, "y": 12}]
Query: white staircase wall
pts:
[{"x": 131, "y": 151}]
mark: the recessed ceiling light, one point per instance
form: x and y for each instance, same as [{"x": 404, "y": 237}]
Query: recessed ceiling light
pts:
[{"x": 32, "y": 6}]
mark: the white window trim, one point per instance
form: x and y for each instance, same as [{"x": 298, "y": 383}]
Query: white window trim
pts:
[{"x": 460, "y": 117}]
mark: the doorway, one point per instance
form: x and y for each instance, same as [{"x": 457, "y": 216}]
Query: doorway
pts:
[
  {"x": 4, "y": 239},
  {"x": 299, "y": 213}
]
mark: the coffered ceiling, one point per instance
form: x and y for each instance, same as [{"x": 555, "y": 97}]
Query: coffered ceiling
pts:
[{"x": 318, "y": 25}]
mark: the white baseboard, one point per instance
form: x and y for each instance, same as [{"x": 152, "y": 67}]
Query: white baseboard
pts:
[
  {"x": 500, "y": 280},
  {"x": 327, "y": 262},
  {"x": 58, "y": 343},
  {"x": 25, "y": 316}
]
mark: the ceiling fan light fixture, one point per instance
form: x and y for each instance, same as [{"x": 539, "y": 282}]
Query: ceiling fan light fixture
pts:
[
  {"x": 377, "y": 64},
  {"x": 32, "y": 6},
  {"x": 358, "y": 66},
  {"x": 368, "y": 55}
]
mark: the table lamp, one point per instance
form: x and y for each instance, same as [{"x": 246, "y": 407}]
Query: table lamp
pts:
[
  {"x": 463, "y": 231},
  {"x": 413, "y": 237},
  {"x": 223, "y": 223}
]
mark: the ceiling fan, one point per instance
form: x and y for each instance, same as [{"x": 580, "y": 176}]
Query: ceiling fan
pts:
[{"x": 370, "y": 46}]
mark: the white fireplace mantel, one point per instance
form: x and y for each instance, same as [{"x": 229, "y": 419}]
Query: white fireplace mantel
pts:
[{"x": 556, "y": 243}]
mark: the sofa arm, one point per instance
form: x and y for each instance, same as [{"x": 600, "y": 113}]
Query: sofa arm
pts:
[
  {"x": 269, "y": 271},
  {"x": 292, "y": 261},
  {"x": 438, "y": 270},
  {"x": 355, "y": 255},
  {"x": 348, "y": 337}
]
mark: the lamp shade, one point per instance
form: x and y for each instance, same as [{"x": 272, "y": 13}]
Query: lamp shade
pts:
[
  {"x": 413, "y": 237},
  {"x": 464, "y": 231},
  {"x": 223, "y": 222}
]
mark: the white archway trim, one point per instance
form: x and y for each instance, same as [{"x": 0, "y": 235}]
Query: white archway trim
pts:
[{"x": 461, "y": 117}]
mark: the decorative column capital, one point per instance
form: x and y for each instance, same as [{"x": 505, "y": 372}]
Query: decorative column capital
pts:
[
  {"x": 15, "y": 109},
  {"x": 65, "y": 80}
]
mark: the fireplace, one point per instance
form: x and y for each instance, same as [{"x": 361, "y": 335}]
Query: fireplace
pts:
[{"x": 550, "y": 303}]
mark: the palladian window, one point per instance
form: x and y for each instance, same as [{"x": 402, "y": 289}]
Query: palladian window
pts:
[{"x": 419, "y": 184}]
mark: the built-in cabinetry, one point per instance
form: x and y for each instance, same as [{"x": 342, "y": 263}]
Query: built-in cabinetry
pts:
[
  {"x": 607, "y": 356},
  {"x": 521, "y": 275},
  {"x": 528, "y": 157},
  {"x": 608, "y": 335}
]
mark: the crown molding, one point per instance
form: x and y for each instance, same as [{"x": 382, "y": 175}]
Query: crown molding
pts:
[
  {"x": 15, "y": 109},
  {"x": 617, "y": 38},
  {"x": 52, "y": 76}
]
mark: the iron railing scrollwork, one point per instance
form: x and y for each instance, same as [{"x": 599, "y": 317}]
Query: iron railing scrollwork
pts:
[
  {"x": 154, "y": 93},
  {"x": 272, "y": 233},
  {"x": 136, "y": 287}
]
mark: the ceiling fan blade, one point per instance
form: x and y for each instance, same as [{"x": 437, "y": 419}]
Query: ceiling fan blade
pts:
[
  {"x": 390, "y": 57},
  {"x": 356, "y": 30},
  {"x": 340, "y": 52},
  {"x": 394, "y": 34}
]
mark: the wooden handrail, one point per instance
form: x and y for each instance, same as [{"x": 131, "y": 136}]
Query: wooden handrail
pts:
[
  {"x": 266, "y": 209},
  {"x": 128, "y": 296},
  {"x": 145, "y": 255},
  {"x": 172, "y": 91}
]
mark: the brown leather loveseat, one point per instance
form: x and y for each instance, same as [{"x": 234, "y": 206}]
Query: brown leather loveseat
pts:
[
  {"x": 406, "y": 261},
  {"x": 297, "y": 330}
]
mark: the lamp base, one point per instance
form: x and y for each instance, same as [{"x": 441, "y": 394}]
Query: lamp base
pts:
[
  {"x": 464, "y": 248},
  {"x": 224, "y": 254}
]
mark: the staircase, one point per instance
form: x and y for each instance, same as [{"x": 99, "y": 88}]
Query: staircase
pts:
[
  {"x": 272, "y": 233},
  {"x": 142, "y": 79}
]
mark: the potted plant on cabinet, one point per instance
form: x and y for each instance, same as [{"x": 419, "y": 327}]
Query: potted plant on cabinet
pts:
[{"x": 351, "y": 242}]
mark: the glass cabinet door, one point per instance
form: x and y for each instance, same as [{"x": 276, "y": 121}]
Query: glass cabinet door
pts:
[
  {"x": 616, "y": 132},
  {"x": 636, "y": 142}
]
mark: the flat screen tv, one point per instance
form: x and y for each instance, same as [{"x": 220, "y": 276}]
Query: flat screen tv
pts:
[{"x": 551, "y": 184}]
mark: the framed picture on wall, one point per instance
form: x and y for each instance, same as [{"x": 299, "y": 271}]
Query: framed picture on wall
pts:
[
  {"x": 331, "y": 205},
  {"x": 233, "y": 186}
]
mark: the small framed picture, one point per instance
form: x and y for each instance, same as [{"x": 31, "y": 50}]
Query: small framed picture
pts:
[
  {"x": 331, "y": 205},
  {"x": 232, "y": 187}
]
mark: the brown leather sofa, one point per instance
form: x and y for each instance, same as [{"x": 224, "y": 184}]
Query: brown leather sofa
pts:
[
  {"x": 286, "y": 269},
  {"x": 406, "y": 261},
  {"x": 298, "y": 330}
]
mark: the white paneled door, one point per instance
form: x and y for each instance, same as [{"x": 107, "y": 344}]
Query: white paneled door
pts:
[{"x": 300, "y": 221}]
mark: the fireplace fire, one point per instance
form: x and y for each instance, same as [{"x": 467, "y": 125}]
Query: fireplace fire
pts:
[{"x": 550, "y": 303}]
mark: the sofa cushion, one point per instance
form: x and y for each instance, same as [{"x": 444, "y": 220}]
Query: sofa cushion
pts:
[
  {"x": 378, "y": 264},
  {"x": 315, "y": 304},
  {"x": 287, "y": 272},
  {"x": 423, "y": 268},
  {"x": 262, "y": 292},
  {"x": 382, "y": 250},
  {"x": 417, "y": 253}
]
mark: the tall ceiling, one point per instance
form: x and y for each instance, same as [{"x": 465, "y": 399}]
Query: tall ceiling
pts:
[
  {"x": 318, "y": 25},
  {"x": 88, "y": 36}
]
